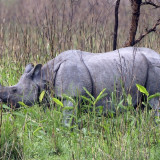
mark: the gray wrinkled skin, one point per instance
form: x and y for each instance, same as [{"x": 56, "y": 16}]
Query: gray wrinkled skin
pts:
[{"x": 72, "y": 70}]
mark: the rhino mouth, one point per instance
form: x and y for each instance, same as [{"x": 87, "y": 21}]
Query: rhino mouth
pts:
[
  {"x": 4, "y": 99},
  {"x": 10, "y": 104}
]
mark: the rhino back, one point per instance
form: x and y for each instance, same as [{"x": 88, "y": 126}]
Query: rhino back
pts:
[{"x": 115, "y": 69}]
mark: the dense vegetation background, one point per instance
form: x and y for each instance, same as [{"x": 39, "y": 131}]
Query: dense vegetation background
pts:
[{"x": 38, "y": 30}]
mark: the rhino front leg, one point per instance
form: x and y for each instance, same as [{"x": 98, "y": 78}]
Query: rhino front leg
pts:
[{"x": 68, "y": 113}]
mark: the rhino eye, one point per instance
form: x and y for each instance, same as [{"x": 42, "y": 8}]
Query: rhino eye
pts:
[{"x": 14, "y": 90}]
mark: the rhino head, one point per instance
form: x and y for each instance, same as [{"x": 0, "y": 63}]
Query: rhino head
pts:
[{"x": 27, "y": 90}]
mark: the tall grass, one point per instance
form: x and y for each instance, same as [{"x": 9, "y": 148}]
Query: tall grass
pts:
[
  {"x": 36, "y": 31},
  {"x": 31, "y": 133}
]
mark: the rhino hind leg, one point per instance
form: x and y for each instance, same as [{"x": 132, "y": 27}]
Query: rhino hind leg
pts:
[
  {"x": 69, "y": 112},
  {"x": 153, "y": 86},
  {"x": 155, "y": 104}
]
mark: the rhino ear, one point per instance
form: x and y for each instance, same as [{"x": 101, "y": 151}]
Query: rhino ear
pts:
[
  {"x": 28, "y": 68},
  {"x": 36, "y": 72}
]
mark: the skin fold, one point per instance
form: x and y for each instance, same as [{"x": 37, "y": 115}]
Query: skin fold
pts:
[{"x": 73, "y": 70}]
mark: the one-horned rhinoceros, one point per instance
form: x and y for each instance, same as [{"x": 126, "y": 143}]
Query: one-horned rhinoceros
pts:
[{"x": 73, "y": 70}]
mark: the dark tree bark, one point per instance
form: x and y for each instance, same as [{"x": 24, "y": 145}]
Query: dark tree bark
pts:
[
  {"x": 116, "y": 25},
  {"x": 135, "y": 4}
]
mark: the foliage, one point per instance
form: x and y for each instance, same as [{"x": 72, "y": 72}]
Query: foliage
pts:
[
  {"x": 32, "y": 133},
  {"x": 28, "y": 34},
  {"x": 145, "y": 92}
]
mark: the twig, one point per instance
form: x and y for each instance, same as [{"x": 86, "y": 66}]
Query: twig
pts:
[
  {"x": 153, "y": 29},
  {"x": 151, "y": 3}
]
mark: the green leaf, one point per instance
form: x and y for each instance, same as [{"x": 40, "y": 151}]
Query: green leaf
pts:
[
  {"x": 129, "y": 100},
  {"x": 57, "y": 112},
  {"x": 100, "y": 109},
  {"x": 145, "y": 104},
  {"x": 18, "y": 114},
  {"x": 142, "y": 89},
  {"x": 68, "y": 108},
  {"x": 89, "y": 94},
  {"x": 154, "y": 96},
  {"x": 45, "y": 120},
  {"x": 120, "y": 105},
  {"x": 69, "y": 99},
  {"x": 87, "y": 99},
  {"x": 100, "y": 96},
  {"x": 87, "y": 107},
  {"x": 22, "y": 104},
  {"x": 57, "y": 101},
  {"x": 6, "y": 107},
  {"x": 41, "y": 96},
  {"x": 39, "y": 128}
]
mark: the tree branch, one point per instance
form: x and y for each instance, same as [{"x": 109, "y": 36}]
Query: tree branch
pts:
[
  {"x": 151, "y": 3},
  {"x": 153, "y": 29},
  {"x": 116, "y": 25}
]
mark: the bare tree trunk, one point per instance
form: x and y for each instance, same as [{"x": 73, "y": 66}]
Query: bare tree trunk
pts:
[
  {"x": 116, "y": 25},
  {"x": 135, "y": 4}
]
